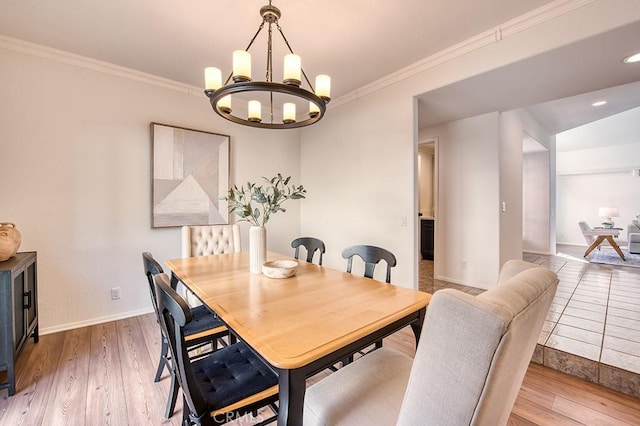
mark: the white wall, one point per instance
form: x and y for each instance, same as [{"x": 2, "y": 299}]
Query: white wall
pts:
[
  {"x": 510, "y": 208},
  {"x": 535, "y": 203},
  {"x": 364, "y": 177},
  {"x": 536, "y": 239},
  {"x": 468, "y": 192},
  {"x": 75, "y": 176},
  {"x": 580, "y": 196}
]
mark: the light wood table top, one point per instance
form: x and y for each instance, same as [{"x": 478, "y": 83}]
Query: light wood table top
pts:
[{"x": 295, "y": 320}]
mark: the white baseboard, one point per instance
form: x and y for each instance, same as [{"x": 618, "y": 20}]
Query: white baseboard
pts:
[
  {"x": 94, "y": 321},
  {"x": 544, "y": 253},
  {"x": 460, "y": 282}
]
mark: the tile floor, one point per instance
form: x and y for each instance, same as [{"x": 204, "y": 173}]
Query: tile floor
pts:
[{"x": 593, "y": 327}]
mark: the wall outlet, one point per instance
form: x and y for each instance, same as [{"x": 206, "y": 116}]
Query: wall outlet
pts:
[
  {"x": 115, "y": 293},
  {"x": 464, "y": 264}
]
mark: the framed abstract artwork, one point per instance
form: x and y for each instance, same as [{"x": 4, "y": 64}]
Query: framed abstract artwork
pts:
[{"x": 190, "y": 170}]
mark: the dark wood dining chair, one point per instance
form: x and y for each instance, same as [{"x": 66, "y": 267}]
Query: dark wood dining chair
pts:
[
  {"x": 311, "y": 245},
  {"x": 205, "y": 328},
  {"x": 371, "y": 255},
  {"x": 222, "y": 385}
]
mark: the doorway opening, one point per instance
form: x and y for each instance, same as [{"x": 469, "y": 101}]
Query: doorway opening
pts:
[{"x": 427, "y": 207}]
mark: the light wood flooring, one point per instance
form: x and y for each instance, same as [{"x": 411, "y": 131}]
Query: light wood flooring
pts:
[{"x": 103, "y": 375}]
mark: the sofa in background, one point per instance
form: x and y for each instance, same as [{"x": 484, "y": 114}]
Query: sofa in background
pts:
[{"x": 633, "y": 237}]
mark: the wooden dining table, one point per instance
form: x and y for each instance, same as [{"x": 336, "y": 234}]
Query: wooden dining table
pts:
[{"x": 302, "y": 324}]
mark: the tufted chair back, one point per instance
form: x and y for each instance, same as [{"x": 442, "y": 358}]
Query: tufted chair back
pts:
[{"x": 210, "y": 239}]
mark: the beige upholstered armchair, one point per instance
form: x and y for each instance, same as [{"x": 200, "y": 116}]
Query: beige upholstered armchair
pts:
[
  {"x": 210, "y": 239},
  {"x": 468, "y": 367}
]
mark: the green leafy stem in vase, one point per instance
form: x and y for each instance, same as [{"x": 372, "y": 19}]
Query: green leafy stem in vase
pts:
[{"x": 255, "y": 203}]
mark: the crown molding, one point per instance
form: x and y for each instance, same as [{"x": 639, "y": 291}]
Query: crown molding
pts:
[
  {"x": 486, "y": 38},
  {"x": 61, "y": 56},
  {"x": 508, "y": 29}
]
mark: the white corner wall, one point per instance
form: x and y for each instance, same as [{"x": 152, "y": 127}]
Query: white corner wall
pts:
[
  {"x": 76, "y": 176},
  {"x": 467, "y": 238},
  {"x": 539, "y": 190},
  {"x": 536, "y": 209},
  {"x": 511, "y": 188}
]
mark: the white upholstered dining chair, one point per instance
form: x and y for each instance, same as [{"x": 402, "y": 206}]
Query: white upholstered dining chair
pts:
[
  {"x": 206, "y": 240},
  {"x": 210, "y": 239},
  {"x": 468, "y": 368}
]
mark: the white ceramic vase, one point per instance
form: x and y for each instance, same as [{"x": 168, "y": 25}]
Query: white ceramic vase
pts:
[{"x": 257, "y": 248}]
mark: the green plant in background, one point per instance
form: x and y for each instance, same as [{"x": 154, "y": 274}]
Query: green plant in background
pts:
[{"x": 256, "y": 203}]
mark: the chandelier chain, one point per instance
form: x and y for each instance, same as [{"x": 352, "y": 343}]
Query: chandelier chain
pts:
[
  {"x": 304, "y": 74},
  {"x": 269, "y": 77},
  {"x": 269, "y": 72}
]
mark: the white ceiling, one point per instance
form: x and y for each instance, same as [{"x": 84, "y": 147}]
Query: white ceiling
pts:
[
  {"x": 557, "y": 87},
  {"x": 354, "y": 41}
]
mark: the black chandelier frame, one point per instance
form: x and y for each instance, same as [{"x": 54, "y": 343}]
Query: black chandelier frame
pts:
[{"x": 270, "y": 15}]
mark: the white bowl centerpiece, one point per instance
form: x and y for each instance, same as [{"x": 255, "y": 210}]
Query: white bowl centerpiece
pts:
[{"x": 280, "y": 268}]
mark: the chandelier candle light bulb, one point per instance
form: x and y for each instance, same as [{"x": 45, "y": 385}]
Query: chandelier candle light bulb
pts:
[
  {"x": 212, "y": 78},
  {"x": 313, "y": 109},
  {"x": 255, "y": 111},
  {"x": 292, "y": 69},
  {"x": 323, "y": 86},
  {"x": 289, "y": 112},
  {"x": 241, "y": 66},
  {"x": 225, "y": 104}
]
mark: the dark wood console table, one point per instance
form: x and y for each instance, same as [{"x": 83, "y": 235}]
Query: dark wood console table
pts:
[{"x": 18, "y": 311}]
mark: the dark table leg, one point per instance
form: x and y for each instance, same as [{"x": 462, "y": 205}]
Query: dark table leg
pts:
[
  {"x": 416, "y": 326},
  {"x": 174, "y": 281},
  {"x": 292, "y": 386}
]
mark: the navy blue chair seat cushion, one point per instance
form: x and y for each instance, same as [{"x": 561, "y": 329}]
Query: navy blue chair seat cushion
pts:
[
  {"x": 202, "y": 320},
  {"x": 231, "y": 374}
]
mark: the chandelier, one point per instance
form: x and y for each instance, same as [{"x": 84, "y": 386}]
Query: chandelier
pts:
[{"x": 289, "y": 104}]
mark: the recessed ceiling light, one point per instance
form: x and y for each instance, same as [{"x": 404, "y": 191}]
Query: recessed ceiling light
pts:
[
  {"x": 631, "y": 59},
  {"x": 599, "y": 103}
]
